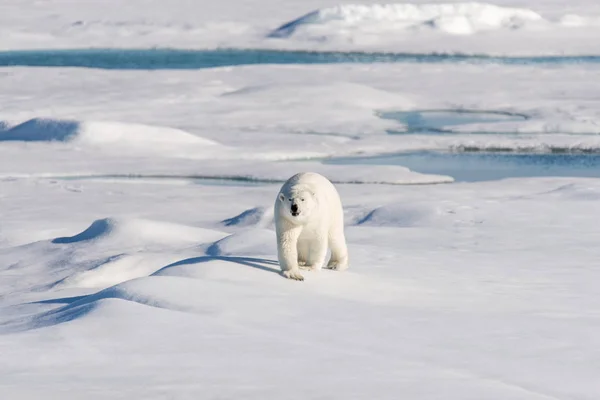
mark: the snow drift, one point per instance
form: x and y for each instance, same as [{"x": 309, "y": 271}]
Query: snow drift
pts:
[
  {"x": 107, "y": 252},
  {"x": 118, "y": 231},
  {"x": 97, "y": 133},
  {"x": 138, "y": 247},
  {"x": 459, "y": 18},
  {"x": 400, "y": 215}
]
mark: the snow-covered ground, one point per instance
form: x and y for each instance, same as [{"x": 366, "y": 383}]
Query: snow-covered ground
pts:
[
  {"x": 146, "y": 289},
  {"x": 137, "y": 251}
]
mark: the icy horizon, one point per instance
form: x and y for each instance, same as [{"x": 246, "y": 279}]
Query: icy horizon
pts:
[{"x": 502, "y": 28}]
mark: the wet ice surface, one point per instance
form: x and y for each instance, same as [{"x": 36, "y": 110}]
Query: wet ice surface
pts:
[
  {"x": 442, "y": 121},
  {"x": 482, "y": 166},
  {"x": 153, "y": 59}
]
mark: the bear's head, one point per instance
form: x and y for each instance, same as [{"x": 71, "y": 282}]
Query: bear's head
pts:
[{"x": 297, "y": 204}]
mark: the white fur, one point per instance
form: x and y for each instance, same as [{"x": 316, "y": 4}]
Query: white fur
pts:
[{"x": 303, "y": 240}]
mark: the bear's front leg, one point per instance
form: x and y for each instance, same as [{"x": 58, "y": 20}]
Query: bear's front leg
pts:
[
  {"x": 302, "y": 248},
  {"x": 318, "y": 252},
  {"x": 287, "y": 252}
]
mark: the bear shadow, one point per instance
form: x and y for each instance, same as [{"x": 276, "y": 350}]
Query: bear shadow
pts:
[{"x": 262, "y": 264}]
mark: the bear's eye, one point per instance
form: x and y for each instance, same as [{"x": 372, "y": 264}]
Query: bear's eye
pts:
[
  {"x": 289, "y": 199},
  {"x": 302, "y": 199}
]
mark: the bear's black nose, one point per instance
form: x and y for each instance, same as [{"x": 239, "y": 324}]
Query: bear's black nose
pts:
[{"x": 294, "y": 208}]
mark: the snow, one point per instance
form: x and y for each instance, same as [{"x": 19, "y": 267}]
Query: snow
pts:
[
  {"x": 459, "y": 18},
  {"x": 137, "y": 246},
  {"x": 97, "y": 132},
  {"x": 447, "y": 285},
  {"x": 515, "y": 27}
]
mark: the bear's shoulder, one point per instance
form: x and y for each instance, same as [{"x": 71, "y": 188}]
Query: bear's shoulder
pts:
[{"x": 308, "y": 179}]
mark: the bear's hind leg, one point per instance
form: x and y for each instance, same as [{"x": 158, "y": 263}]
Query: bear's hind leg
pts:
[{"x": 339, "y": 250}]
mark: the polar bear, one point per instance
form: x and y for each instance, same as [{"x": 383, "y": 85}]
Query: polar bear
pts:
[{"x": 309, "y": 219}]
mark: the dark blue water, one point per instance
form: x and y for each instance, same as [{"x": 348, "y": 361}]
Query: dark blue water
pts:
[
  {"x": 473, "y": 167},
  {"x": 153, "y": 59}
]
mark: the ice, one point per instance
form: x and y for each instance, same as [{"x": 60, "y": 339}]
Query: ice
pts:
[
  {"x": 186, "y": 59},
  {"x": 501, "y": 27},
  {"x": 444, "y": 121},
  {"x": 98, "y": 133},
  {"x": 297, "y": 113},
  {"x": 472, "y": 164},
  {"x": 137, "y": 247},
  {"x": 453, "y": 18}
]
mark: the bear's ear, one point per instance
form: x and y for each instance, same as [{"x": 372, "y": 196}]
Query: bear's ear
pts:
[{"x": 281, "y": 197}]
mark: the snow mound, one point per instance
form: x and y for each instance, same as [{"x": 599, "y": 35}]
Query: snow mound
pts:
[
  {"x": 134, "y": 230},
  {"x": 116, "y": 269},
  {"x": 160, "y": 292},
  {"x": 97, "y": 229},
  {"x": 211, "y": 295},
  {"x": 229, "y": 268},
  {"x": 137, "y": 248},
  {"x": 255, "y": 242},
  {"x": 108, "y": 252},
  {"x": 258, "y": 216},
  {"x": 451, "y": 18},
  {"x": 98, "y": 133},
  {"x": 399, "y": 215}
]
